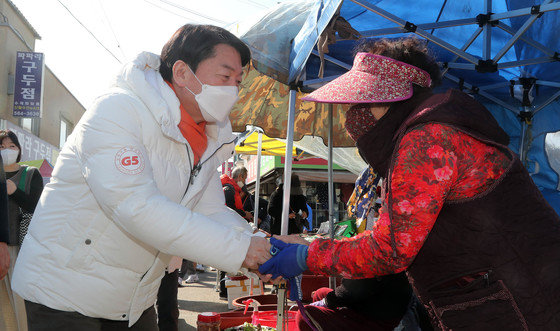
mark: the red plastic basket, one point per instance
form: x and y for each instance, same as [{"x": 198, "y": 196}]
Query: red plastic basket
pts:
[{"x": 268, "y": 318}]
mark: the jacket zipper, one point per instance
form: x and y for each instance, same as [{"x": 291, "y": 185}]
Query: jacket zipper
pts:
[{"x": 196, "y": 168}]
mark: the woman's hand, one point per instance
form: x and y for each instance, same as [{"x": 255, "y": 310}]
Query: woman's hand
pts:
[
  {"x": 11, "y": 187},
  {"x": 292, "y": 239}
]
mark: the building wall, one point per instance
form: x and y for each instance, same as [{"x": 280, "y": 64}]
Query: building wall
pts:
[
  {"x": 10, "y": 43},
  {"x": 58, "y": 102}
]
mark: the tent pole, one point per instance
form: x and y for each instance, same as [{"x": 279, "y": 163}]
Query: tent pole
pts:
[
  {"x": 547, "y": 102},
  {"x": 288, "y": 162},
  {"x": 544, "y": 7},
  {"x": 487, "y": 33},
  {"x": 438, "y": 41},
  {"x": 332, "y": 280},
  {"x": 485, "y": 94},
  {"x": 527, "y": 40},
  {"x": 281, "y": 296},
  {"x": 522, "y": 142},
  {"x": 258, "y": 182},
  {"x": 518, "y": 34},
  {"x": 464, "y": 48},
  {"x": 330, "y": 172}
]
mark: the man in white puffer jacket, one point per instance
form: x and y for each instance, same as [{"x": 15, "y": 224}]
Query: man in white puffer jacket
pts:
[{"x": 127, "y": 193}]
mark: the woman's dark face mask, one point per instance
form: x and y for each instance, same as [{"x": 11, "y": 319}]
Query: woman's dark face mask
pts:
[{"x": 359, "y": 120}]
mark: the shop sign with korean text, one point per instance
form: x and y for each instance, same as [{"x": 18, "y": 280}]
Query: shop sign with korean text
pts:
[
  {"x": 28, "y": 92},
  {"x": 32, "y": 147}
]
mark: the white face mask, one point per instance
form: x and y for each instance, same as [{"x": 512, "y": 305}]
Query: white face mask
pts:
[
  {"x": 9, "y": 156},
  {"x": 215, "y": 102},
  {"x": 240, "y": 183}
]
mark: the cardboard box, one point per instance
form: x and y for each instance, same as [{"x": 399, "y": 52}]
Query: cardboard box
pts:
[{"x": 241, "y": 287}]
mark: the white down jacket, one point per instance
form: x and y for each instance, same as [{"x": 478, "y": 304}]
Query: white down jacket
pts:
[{"x": 116, "y": 207}]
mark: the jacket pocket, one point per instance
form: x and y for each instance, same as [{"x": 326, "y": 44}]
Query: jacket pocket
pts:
[{"x": 491, "y": 307}]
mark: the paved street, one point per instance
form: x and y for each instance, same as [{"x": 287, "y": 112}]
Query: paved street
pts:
[{"x": 198, "y": 297}]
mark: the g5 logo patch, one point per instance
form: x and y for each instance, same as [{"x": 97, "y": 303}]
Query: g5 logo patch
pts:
[{"x": 130, "y": 161}]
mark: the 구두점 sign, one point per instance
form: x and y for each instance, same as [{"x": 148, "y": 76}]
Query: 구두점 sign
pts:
[{"x": 28, "y": 91}]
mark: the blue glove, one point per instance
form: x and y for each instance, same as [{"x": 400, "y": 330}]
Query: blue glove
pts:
[
  {"x": 295, "y": 288},
  {"x": 288, "y": 260}
]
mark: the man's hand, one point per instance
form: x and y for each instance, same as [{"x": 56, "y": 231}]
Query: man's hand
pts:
[
  {"x": 10, "y": 186},
  {"x": 292, "y": 215},
  {"x": 258, "y": 253},
  {"x": 4, "y": 260},
  {"x": 292, "y": 239}
]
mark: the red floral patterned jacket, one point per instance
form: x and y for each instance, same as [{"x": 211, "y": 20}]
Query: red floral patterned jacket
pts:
[{"x": 435, "y": 163}]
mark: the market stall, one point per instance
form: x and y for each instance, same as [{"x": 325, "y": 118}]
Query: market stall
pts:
[{"x": 503, "y": 53}]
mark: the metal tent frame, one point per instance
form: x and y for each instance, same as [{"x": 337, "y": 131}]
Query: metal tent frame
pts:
[{"x": 487, "y": 23}]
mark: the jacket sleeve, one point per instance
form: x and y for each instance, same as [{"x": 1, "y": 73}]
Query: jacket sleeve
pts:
[
  {"x": 425, "y": 170},
  {"x": 131, "y": 198}
]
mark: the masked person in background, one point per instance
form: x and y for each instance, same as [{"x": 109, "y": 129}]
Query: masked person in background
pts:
[
  {"x": 298, "y": 207},
  {"x": 262, "y": 220},
  {"x": 24, "y": 185},
  {"x": 4, "y": 232},
  {"x": 233, "y": 191},
  {"x": 460, "y": 213},
  {"x": 5, "y": 306},
  {"x": 135, "y": 184}
]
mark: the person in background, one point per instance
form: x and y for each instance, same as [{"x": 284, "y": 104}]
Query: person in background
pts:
[
  {"x": 460, "y": 213},
  {"x": 249, "y": 205},
  {"x": 5, "y": 306},
  {"x": 233, "y": 191},
  {"x": 188, "y": 273},
  {"x": 136, "y": 184},
  {"x": 4, "y": 233},
  {"x": 24, "y": 186},
  {"x": 167, "y": 304},
  {"x": 298, "y": 207}
]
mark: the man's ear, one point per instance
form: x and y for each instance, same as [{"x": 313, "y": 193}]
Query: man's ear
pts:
[{"x": 181, "y": 73}]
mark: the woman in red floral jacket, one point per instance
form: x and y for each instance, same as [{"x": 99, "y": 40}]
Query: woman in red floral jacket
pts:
[{"x": 455, "y": 201}]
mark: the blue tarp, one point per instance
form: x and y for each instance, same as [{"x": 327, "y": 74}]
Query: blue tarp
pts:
[{"x": 301, "y": 39}]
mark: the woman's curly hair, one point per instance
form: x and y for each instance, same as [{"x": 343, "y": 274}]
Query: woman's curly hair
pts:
[{"x": 410, "y": 50}]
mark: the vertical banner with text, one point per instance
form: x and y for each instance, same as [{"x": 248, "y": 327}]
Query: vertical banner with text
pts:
[{"x": 28, "y": 92}]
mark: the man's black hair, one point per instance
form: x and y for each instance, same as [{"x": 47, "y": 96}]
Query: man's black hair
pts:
[{"x": 195, "y": 43}]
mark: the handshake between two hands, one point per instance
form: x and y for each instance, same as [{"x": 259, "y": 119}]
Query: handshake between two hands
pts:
[{"x": 282, "y": 257}]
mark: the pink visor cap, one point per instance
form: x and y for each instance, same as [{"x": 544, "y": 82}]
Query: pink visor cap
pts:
[{"x": 373, "y": 78}]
